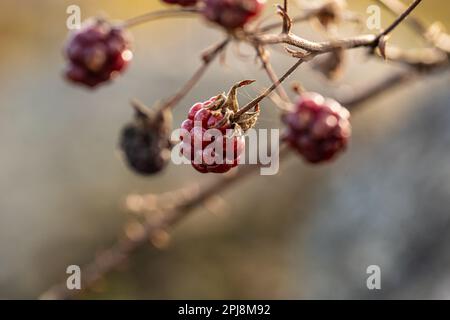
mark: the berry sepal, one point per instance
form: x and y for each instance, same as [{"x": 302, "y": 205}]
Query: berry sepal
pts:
[{"x": 227, "y": 105}]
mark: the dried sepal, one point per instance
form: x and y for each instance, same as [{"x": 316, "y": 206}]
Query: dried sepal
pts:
[{"x": 248, "y": 120}]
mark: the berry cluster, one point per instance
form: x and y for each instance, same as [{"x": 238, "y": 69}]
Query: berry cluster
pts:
[
  {"x": 317, "y": 128},
  {"x": 216, "y": 113},
  {"x": 97, "y": 53}
]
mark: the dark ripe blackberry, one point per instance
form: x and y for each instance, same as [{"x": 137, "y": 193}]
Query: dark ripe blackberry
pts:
[
  {"x": 97, "y": 53},
  {"x": 145, "y": 142},
  {"x": 317, "y": 128}
]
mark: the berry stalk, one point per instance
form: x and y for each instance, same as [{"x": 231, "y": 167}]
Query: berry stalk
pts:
[
  {"x": 257, "y": 100},
  {"x": 399, "y": 19},
  {"x": 155, "y": 15},
  {"x": 260, "y": 51},
  {"x": 207, "y": 58}
]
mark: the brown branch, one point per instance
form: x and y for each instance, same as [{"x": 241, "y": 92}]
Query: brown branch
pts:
[
  {"x": 269, "y": 90},
  {"x": 433, "y": 36},
  {"x": 308, "y": 15},
  {"x": 367, "y": 40},
  {"x": 113, "y": 257},
  {"x": 397, "y": 7},
  {"x": 207, "y": 58},
  {"x": 317, "y": 47},
  {"x": 399, "y": 19},
  {"x": 156, "y": 15}
]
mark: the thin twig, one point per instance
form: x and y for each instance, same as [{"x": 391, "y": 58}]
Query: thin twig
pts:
[
  {"x": 440, "y": 41},
  {"x": 207, "y": 58},
  {"x": 399, "y": 19},
  {"x": 318, "y": 47},
  {"x": 155, "y": 15},
  {"x": 111, "y": 258},
  {"x": 267, "y": 66},
  {"x": 397, "y": 7},
  {"x": 367, "y": 40},
  {"x": 257, "y": 100}
]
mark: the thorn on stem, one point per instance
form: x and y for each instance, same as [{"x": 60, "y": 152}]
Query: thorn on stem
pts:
[{"x": 287, "y": 21}]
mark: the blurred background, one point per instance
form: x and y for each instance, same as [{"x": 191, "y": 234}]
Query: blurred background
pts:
[{"x": 308, "y": 232}]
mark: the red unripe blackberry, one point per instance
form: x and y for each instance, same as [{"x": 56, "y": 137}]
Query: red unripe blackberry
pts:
[
  {"x": 97, "y": 53},
  {"x": 145, "y": 141},
  {"x": 216, "y": 113},
  {"x": 232, "y": 14},
  {"x": 317, "y": 128},
  {"x": 183, "y": 3}
]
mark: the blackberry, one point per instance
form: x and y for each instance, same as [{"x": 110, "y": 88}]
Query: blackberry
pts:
[
  {"x": 317, "y": 128},
  {"x": 97, "y": 53}
]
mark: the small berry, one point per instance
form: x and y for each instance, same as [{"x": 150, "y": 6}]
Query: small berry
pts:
[
  {"x": 216, "y": 113},
  {"x": 317, "y": 128},
  {"x": 145, "y": 141},
  {"x": 183, "y": 3},
  {"x": 97, "y": 53},
  {"x": 232, "y": 14}
]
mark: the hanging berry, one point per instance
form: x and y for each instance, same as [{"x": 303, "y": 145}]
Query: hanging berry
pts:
[
  {"x": 145, "y": 141},
  {"x": 317, "y": 128},
  {"x": 97, "y": 53},
  {"x": 217, "y": 113},
  {"x": 232, "y": 14},
  {"x": 183, "y": 3},
  {"x": 331, "y": 13}
]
